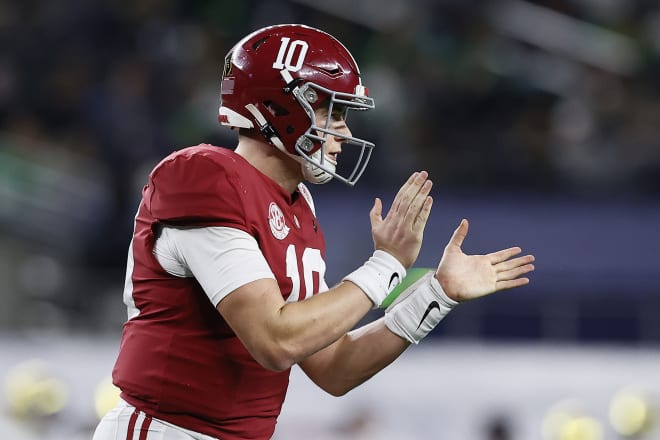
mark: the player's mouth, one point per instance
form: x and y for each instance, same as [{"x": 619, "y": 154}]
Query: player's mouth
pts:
[{"x": 332, "y": 157}]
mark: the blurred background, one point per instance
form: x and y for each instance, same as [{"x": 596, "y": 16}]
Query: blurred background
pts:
[{"x": 539, "y": 121}]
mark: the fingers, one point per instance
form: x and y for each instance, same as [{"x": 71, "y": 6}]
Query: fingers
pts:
[
  {"x": 510, "y": 269},
  {"x": 417, "y": 204},
  {"x": 503, "y": 255},
  {"x": 376, "y": 213},
  {"x": 407, "y": 191},
  {"x": 412, "y": 204},
  {"x": 423, "y": 216},
  {"x": 514, "y": 273},
  {"x": 510, "y": 284},
  {"x": 513, "y": 263},
  {"x": 459, "y": 234}
]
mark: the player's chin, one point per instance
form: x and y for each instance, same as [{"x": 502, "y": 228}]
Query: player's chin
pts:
[{"x": 331, "y": 159}]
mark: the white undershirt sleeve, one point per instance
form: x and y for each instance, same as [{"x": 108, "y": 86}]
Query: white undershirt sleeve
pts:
[{"x": 222, "y": 259}]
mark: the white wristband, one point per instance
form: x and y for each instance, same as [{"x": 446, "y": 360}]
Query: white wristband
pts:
[
  {"x": 378, "y": 276},
  {"x": 418, "y": 309}
]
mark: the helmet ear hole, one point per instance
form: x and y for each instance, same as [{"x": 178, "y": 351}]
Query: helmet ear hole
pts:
[{"x": 276, "y": 109}]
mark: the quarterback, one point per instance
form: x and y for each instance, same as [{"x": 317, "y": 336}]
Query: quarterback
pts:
[{"x": 225, "y": 282}]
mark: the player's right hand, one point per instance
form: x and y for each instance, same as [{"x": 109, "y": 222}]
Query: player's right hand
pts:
[{"x": 401, "y": 232}]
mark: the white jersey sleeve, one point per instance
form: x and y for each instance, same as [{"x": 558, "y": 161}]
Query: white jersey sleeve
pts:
[{"x": 222, "y": 259}]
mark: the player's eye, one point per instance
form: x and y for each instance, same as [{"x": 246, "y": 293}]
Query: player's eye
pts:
[{"x": 339, "y": 112}]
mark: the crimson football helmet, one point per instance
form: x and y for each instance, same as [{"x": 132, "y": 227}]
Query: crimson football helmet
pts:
[{"x": 275, "y": 78}]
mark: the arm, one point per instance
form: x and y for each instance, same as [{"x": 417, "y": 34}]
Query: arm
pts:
[
  {"x": 362, "y": 353},
  {"x": 280, "y": 334},
  {"x": 354, "y": 358}
]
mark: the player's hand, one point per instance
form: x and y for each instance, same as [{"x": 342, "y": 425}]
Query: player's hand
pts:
[
  {"x": 402, "y": 230},
  {"x": 464, "y": 277}
]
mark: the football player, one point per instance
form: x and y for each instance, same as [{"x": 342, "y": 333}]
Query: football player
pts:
[{"x": 225, "y": 284}]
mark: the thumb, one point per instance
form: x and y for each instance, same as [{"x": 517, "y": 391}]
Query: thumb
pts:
[
  {"x": 459, "y": 234},
  {"x": 375, "y": 215}
]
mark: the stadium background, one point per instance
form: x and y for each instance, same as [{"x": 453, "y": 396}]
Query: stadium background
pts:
[{"x": 539, "y": 121}]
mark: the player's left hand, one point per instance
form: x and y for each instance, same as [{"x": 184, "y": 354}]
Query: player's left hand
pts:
[{"x": 464, "y": 277}]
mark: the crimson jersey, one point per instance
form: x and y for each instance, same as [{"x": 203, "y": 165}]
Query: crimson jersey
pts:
[{"x": 179, "y": 361}]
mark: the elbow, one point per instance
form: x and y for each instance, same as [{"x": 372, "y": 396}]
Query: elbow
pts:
[
  {"x": 273, "y": 351},
  {"x": 275, "y": 358},
  {"x": 276, "y": 365},
  {"x": 332, "y": 386},
  {"x": 337, "y": 392},
  {"x": 337, "y": 389}
]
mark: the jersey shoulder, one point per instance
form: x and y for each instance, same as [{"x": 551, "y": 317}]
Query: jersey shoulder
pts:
[{"x": 198, "y": 186}]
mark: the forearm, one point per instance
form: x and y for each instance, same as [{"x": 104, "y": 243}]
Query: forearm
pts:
[
  {"x": 280, "y": 334},
  {"x": 306, "y": 327},
  {"x": 354, "y": 358}
]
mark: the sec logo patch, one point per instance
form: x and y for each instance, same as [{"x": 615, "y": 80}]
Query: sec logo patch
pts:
[{"x": 276, "y": 221}]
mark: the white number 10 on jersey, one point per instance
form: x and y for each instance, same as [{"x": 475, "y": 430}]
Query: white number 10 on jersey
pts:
[
  {"x": 287, "y": 52},
  {"x": 312, "y": 261}
]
